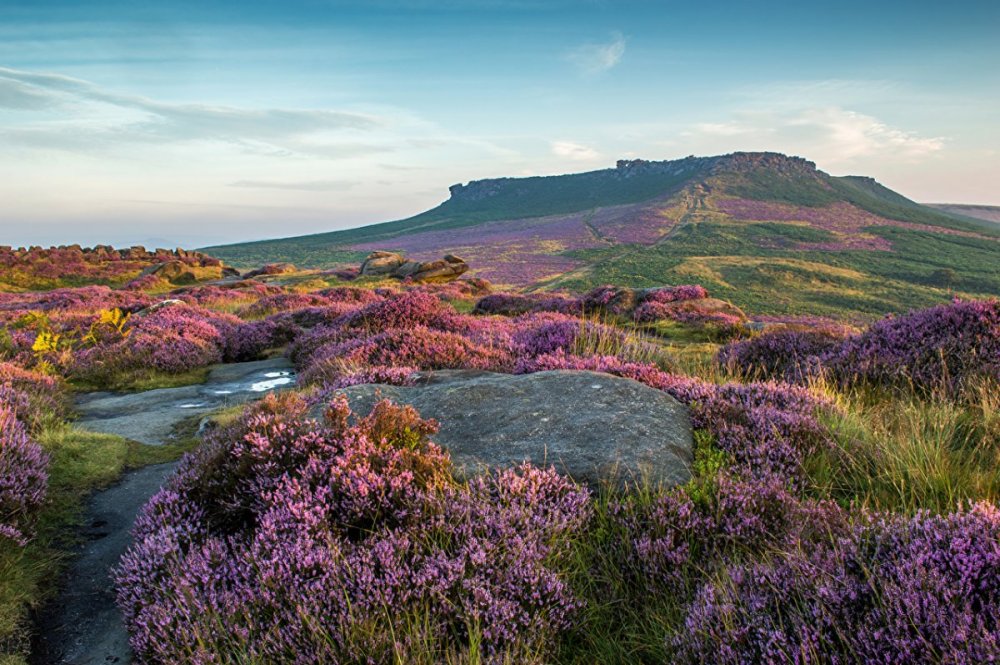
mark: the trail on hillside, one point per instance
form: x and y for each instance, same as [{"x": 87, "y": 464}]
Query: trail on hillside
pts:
[{"x": 83, "y": 625}]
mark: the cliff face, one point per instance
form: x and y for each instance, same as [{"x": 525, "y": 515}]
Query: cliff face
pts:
[{"x": 625, "y": 170}]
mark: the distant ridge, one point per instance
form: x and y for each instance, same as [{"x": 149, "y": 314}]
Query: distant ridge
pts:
[
  {"x": 984, "y": 212},
  {"x": 761, "y": 228}
]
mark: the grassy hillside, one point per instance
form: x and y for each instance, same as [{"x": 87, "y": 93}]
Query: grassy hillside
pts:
[{"x": 767, "y": 231}]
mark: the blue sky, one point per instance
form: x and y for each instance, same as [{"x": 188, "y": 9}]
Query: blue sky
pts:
[{"x": 176, "y": 123}]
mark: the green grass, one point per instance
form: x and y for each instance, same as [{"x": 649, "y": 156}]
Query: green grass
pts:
[
  {"x": 145, "y": 379},
  {"x": 902, "y": 453},
  {"x": 81, "y": 462},
  {"x": 730, "y": 261}
]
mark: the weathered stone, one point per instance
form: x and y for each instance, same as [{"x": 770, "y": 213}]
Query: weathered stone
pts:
[
  {"x": 589, "y": 425},
  {"x": 408, "y": 269},
  {"x": 381, "y": 263},
  {"x": 155, "y": 307},
  {"x": 444, "y": 270}
]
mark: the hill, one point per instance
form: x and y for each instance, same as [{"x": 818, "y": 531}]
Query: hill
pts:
[
  {"x": 988, "y": 213},
  {"x": 765, "y": 230}
]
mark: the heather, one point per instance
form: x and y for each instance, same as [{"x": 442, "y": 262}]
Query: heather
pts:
[
  {"x": 842, "y": 506},
  {"x": 332, "y": 522},
  {"x": 948, "y": 347}
]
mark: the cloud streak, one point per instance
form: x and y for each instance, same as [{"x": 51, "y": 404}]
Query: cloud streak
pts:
[
  {"x": 303, "y": 186},
  {"x": 830, "y": 135},
  {"x": 597, "y": 58},
  {"x": 574, "y": 151},
  {"x": 95, "y": 117}
]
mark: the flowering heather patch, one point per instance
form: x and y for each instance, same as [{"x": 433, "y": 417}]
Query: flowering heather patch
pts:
[
  {"x": 23, "y": 475},
  {"x": 212, "y": 295},
  {"x": 609, "y": 299},
  {"x": 282, "y": 302},
  {"x": 683, "y": 536},
  {"x": 667, "y": 294},
  {"x": 351, "y": 295},
  {"x": 171, "y": 339},
  {"x": 297, "y": 535},
  {"x": 841, "y": 218},
  {"x": 86, "y": 299},
  {"x": 903, "y": 590},
  {"x": 511, "y": 304},
  {"x": 460, "y": 289},
  {"x": 947, "y": 346},
  {"x": 418, "y": 346},
  {"x": 407, "y": 309},
  {"x": 703, "y": 313},
  {"x": 34, "y": 397},
  {"x": 787, "y": 355}
]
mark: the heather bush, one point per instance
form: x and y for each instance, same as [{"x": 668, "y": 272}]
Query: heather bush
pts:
[
  {"x": 665, "y": 294},
  {"x": 900, "y": 590},
  {"x": 945, "y": 347},
  {"x": 171, "y": 340},
  {"x": 299, "y": 535},
  {"x": 282, "y": 302},
  {"x": 512, "y": 304},
  {"x": 787, "y": 355},
  {"x": 404, "y": 310},
  {"x": 23, "y": 475},
  {"x": 609, "y": 300},
  {"x": 417, "y": 346},
  {"x": 687, "y": 311},
  {"x": 36, "y": 398}
]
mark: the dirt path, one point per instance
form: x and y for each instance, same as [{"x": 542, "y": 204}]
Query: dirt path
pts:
[{"x": 83, "y": 625}]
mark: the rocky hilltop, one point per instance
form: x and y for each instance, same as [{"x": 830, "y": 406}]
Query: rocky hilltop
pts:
[{"x": 767, "y": 231}]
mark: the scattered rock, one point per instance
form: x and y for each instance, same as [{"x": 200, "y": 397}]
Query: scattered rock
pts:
[
  {"x": 443, "y": 270},
  {"x": 175, "y": 272},
  {"x": 381, "y": 263},
  {"x": 390, "y": 264},
  {"x": 589, "y": 425}
]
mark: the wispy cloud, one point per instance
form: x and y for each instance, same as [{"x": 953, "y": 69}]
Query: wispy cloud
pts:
[
  {"x": 596, "y": 58},
  {"x": 830, "y": 135},
  {"x": 90, "y": 116},
  {"x": 304, "y": 186},
  {"x": 574, "y": 151}
]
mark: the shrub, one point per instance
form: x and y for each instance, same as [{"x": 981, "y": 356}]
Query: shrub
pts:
[
  {"x": 23, "y": 476},
  {"x": 944, "y": 347},
  {"x": 787, "y": 355},
  {"x": 297, "y": 536},
  {"x": 924, "y": 589},
  {"x": 36, "y": 398},
  {"x": 667, "y": 294}
]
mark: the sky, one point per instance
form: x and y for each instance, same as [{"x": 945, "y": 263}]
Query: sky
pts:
[{"x": 192, "y": 123}]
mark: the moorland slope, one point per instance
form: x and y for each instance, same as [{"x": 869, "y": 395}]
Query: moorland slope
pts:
[{"x": 765, "y": 230}]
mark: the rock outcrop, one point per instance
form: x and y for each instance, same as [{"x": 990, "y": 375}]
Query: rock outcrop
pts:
[
  {"x": 379, "y": 264},
  {"x": 588, "y": 425},
  {"x": 390, "y": 264}
]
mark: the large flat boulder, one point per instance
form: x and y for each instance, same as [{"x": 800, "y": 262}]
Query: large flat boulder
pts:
[{"x": 588, "y": 425}]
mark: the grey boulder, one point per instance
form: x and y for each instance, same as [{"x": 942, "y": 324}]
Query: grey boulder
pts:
[{"x": 590, "y": 426}]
